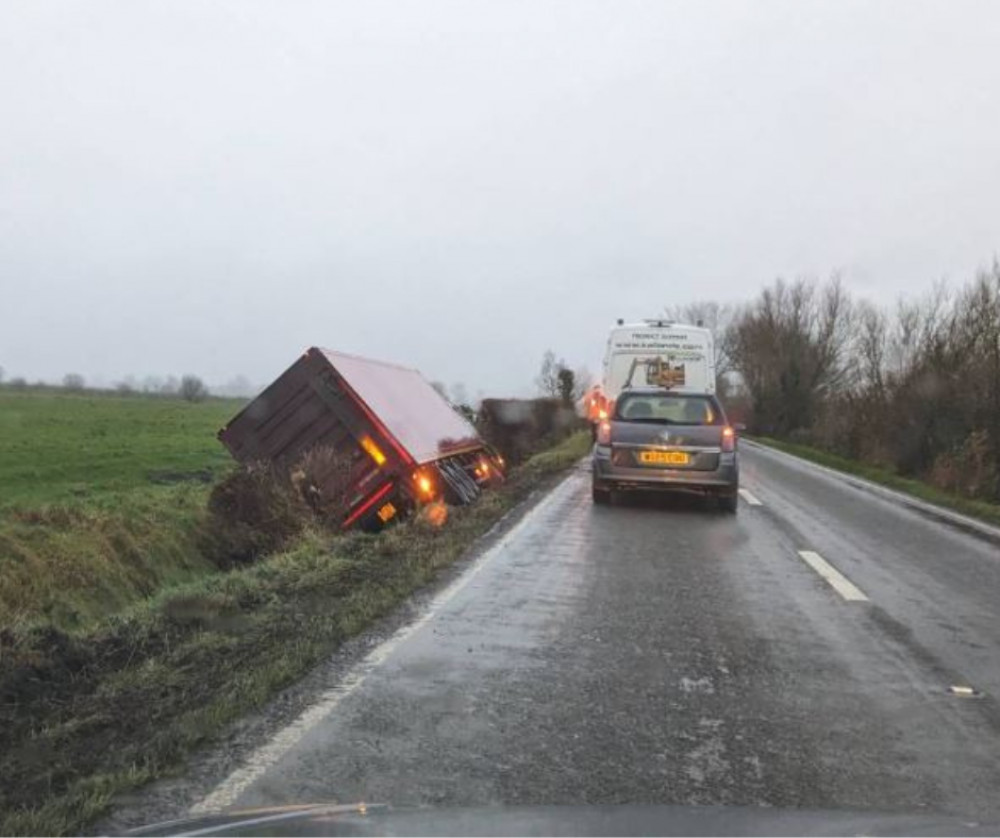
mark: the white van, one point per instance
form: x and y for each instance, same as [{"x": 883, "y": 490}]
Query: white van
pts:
[{"x": 659, "y": 353}]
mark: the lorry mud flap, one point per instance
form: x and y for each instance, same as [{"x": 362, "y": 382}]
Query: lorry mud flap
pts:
[{"x": 460, "y": 489}]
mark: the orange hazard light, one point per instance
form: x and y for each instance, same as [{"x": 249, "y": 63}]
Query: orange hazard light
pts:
[{"x": 424, "y": 484}]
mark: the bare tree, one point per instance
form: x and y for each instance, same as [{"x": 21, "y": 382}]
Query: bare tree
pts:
[
  {"x": 547, "y": 380},
  {"x": 871, "y": 348},
  {"x": 916, "y": 388},
  {"x": 791, "y": 349},
  {"x": 73, "y": 382},
  {"x": 716, "y": 317},
  {"x": 192, "y": 389}
]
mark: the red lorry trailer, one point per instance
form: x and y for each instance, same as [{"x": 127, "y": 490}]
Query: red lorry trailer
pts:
[{"x": 398, "y": 443}]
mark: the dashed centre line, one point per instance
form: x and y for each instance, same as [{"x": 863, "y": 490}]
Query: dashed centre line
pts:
[
  {"x": 840, "y": 583},
  {"x": 750, "y": 498}
]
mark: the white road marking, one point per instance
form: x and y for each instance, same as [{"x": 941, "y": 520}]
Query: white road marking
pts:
[
  {"x": 261, "y": 760},
  {"x": 840, "y": 583},
  {"x": 750, "y": 498},
  {"x": 990, "y": 533}
]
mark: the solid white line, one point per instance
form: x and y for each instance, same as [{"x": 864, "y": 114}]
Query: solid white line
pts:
[
  {"x": 840, "y": 583},
  {"x": 261, "y": 760},
  {"x": 986, "y": 531},
  {"x": 750, "y": 498}
]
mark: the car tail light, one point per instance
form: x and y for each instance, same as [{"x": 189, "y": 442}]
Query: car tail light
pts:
[
  {"x": 604, "y": 433},
  {"x": 728, "y": 439}
]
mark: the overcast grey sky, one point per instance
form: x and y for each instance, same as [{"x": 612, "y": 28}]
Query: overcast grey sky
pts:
[{"x": 211, "y": 187}]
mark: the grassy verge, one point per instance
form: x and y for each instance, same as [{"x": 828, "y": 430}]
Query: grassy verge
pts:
[
  {"x": 101, "y": 497},
  {"x": 69, "y": 565},
  {"x": 980, "y": 510},
  {"x": 88, "y": 714}
]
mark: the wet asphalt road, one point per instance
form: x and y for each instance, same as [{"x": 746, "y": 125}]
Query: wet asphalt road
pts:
[{"x": 665, "y": 652}]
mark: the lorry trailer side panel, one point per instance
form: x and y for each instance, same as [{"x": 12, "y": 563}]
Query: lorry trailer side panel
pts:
[{"x": 385, "y": 420}]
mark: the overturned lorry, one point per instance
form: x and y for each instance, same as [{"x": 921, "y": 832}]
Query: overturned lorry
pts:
[{"x": 372, "y": 441}]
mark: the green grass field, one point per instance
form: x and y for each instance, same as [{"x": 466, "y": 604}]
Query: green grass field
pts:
[
  {"x": 61, "y": 447},
  {"x": 100, "y": 498}
]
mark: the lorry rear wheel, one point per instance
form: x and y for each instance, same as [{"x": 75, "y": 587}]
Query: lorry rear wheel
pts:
[{"x": 602, "y": 497}]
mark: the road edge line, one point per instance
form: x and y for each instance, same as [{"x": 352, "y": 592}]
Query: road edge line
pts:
[
  {"x": 264, "y": 757},
  {"x": 970, "y": 526}
]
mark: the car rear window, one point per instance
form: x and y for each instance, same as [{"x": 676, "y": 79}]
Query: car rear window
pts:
[{"x": 669, "y": 409}]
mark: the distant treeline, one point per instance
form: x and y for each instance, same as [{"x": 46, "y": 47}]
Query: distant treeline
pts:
[{"x": 188, "y": 387}]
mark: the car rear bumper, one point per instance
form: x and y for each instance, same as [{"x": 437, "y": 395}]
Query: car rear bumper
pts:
[{"x": 723, "y": 479}]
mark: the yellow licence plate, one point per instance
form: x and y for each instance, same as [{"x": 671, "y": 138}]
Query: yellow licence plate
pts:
[{"x": 664, "y": 458}]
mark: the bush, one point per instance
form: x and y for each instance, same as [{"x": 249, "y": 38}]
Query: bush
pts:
[
  {"x": 517, "y": 428},
  {"x": 969, "y": 471},
  {"x": 253, "y": 511},
  {"x": 192, "y": 389}
]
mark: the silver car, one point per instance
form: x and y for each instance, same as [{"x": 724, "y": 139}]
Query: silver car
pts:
[{"x": 656, "y": 439}]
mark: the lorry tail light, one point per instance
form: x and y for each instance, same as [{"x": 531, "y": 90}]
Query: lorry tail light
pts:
[
  {"x": 604, "y": 433},
  {"x": 368, "y": 504},
  {"x": 602, "y": 414},
  {"x": 728, "y": 439},
  {"x": 372, "y": 450}
]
